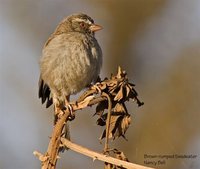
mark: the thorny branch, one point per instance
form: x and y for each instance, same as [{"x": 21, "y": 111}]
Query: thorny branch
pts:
[
  {"x": 102, "y": 157},
  {"x": 109, "y": 94}
]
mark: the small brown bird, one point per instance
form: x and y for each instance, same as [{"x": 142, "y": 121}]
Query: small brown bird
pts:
[{"x": 71, "y": 60}]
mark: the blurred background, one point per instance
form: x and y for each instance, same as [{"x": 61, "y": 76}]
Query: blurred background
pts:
[{"x": 157, "y": 42}]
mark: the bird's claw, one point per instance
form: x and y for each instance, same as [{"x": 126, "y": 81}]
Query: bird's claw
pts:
[
  {"x": 96, "y": 87},
  {"x": 72, "y": 114}
]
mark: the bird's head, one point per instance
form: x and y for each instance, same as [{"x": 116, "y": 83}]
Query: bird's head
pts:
[{"x": 80, "y": 23}]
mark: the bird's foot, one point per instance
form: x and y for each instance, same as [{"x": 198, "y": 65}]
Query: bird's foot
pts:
[
  {"x": 96, "y": 87},
  {"x": 70, "y": 109}
]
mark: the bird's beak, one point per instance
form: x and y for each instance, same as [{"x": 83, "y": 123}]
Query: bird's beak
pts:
[{"x": 95, "y": 27}]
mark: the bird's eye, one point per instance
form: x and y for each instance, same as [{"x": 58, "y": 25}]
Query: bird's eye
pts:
[{"x": 82, "y": 24}]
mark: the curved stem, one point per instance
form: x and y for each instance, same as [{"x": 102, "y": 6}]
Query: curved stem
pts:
[
  {"x": 99, "y": 156},
  {"x": 107, "y": 121}
]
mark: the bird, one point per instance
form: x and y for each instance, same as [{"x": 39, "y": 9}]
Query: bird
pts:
[{"x": 71, "y": 60}]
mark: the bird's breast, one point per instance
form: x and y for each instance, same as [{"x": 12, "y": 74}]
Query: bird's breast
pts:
[
  {"x": 83, "y": 68},
  {"x": 70, "y": 62}
]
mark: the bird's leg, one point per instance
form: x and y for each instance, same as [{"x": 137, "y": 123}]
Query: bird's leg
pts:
[{"x": 67, "y": 105}]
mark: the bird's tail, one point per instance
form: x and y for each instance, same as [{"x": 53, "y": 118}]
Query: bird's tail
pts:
[{"x": 44, "y": 93}]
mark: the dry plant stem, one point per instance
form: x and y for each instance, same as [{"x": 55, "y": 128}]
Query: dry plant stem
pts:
[
  {"x": 84, "y": 95},
  {"x": 98, "y": 156},
  {"x": 52, "y": 151},
  {"x": 95, "y": 100},
  {"x": 107, "y": 121},
  {"x": 54, "y": 144}
]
